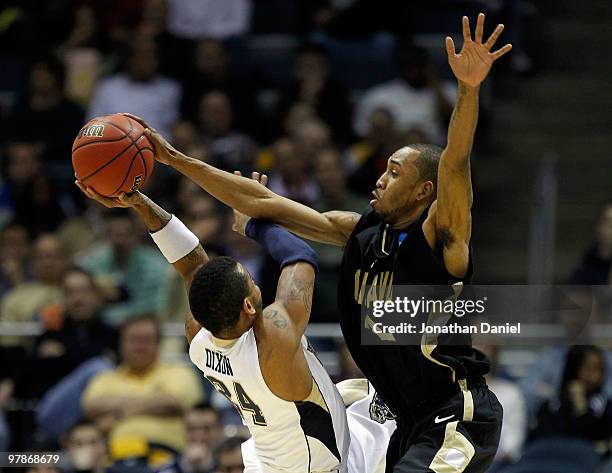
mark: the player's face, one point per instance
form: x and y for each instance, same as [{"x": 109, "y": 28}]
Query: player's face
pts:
[{"x": 397, "y": 190}]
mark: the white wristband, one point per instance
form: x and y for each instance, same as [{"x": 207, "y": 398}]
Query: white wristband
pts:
[{"x": 175, "y": 240}]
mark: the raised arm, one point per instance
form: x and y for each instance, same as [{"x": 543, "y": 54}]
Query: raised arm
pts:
[
  {"x": 156, "y": 220},
  {"x": 249, "y": 197},
  {"x": 454, "y": 195}
]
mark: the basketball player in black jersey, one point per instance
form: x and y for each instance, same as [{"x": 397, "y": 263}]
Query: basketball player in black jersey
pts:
[{"x": 417, "y": 231}]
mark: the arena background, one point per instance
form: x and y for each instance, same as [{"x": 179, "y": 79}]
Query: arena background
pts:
[{"x": 301, "y": 90}]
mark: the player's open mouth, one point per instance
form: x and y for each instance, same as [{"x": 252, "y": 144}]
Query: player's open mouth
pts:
[{"x": 375, "y": 198}]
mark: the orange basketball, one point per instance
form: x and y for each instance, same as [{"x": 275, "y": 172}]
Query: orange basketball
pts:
[{"x": 111, "y": 154}]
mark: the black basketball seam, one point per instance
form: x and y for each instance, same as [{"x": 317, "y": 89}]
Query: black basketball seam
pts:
[
  {"x": 144, "y": 165},
  {"x": 83, "y": 179},
  {"x": 127, "y": 173},
  {"x": 98, "y": 141}
]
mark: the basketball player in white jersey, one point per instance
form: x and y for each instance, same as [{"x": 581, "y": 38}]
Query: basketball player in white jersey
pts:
[{"x": 258, "y": 358}]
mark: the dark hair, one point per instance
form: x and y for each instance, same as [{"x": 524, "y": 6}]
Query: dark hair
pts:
[
  {"x": 216, "y": 294},
  {"x": 428, "y": 161},
  {"x": 573, "y": 363},
  {"x": 77, "y": 425},
  {"x": 142, "y": 318},
  {"x": 205, "y": 406}
]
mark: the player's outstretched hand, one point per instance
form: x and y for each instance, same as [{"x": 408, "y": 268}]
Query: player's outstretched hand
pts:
[
  {"x": 165, "y": 153},
  {"x": 475, "y": 59},
  {"x": 123, "y": 201},
  {"x": 240, "y": 219}
]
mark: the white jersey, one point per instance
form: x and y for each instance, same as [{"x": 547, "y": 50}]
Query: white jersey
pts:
[{"x": 308, "y": 436}]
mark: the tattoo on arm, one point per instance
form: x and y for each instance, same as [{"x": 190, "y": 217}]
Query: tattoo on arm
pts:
[
  {"x": 278, "y": 319},
  {"x": 154, "y": 217},
  {"x": 297, "y": 289}
]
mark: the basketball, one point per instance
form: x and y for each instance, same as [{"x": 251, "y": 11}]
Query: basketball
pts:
[{"x": 111, "y": 154}]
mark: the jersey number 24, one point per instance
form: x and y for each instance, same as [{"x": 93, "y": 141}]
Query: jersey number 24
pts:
[{"x": 245, "y": 403}]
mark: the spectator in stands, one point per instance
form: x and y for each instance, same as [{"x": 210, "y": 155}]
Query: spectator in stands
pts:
[
  {"x": 144, "y": 397},
  {"x": 209, "y": 71},
  {"x": 510, "y": 396},
  {"x": 580, "y": 409},
  {"x": 596, "y": 265},
  {"x": 140, "y": 89},
  {"x": 44, "y": 115},
  {"x": 137, "y": 274},
  {"x": 330, "y": 176},
  {"x": 228, "y": 456},
  {"x": 231, "y": 150},
  {"x": 204, "y": 433},
  {"x": 197, "y": 19},
  {"x": 416, "y": 99},
  {"x": 291, "y": 177},
  {"x": 205, "y": 217},
  {"x": 311, "y": 137},
  {"x": 85, "y": 448},
  {"x": 28, "y": 196},
  {"x": 367, "y": 159},
  {"x": 188, "y": 140},
  {"x": 24, "y": 302},
  {"x": 15, "y": 267},
  {"x": 74, "y": 333},
  {"x": 542, "y": 381},
  {"x": 314, "y": 87}
]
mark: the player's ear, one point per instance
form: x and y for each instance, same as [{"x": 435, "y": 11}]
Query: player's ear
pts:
[
  {"x": 248, "y": 306},
  {"x": 426, "y": 191}
]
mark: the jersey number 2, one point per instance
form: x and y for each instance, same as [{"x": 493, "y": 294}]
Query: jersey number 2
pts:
[{"x": 245, "y": 403}]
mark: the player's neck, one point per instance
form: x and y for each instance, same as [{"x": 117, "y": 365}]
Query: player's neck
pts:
[{"x": 409, "y": 217}]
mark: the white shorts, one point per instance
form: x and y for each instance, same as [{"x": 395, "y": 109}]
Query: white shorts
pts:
[{"x": 370, "y": 427}]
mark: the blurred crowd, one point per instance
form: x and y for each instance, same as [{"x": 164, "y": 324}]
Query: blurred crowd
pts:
[{"x": 315, "y": 93}]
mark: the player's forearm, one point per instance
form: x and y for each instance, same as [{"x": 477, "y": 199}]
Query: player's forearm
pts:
[
  {"x": 462, "y": 126},
  {"x": 240, "y": 193},
  {"x": 153, "y": 216}
]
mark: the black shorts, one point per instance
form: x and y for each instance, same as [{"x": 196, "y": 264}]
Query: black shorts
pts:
[{"x": 459, "y": 435}]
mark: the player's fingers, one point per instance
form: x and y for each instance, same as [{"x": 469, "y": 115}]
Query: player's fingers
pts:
[
  {"x": 479, "y": 27},
  {"x": 255, "y": 176},
  {"x": 238, "y": 173},
  {"x": 450, "y": 47},
  {"x": 136, "y": 118},
  {"x": 80, "y": 186},
  {"x": 501, "y": 51},
  {"x": 493, "y": 38},
  {"x": 263, "y": 180},
  {"x": 467, "y": 35}
]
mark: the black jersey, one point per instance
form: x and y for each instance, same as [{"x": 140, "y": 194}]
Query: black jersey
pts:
[{"x": 407, "y": 377}]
